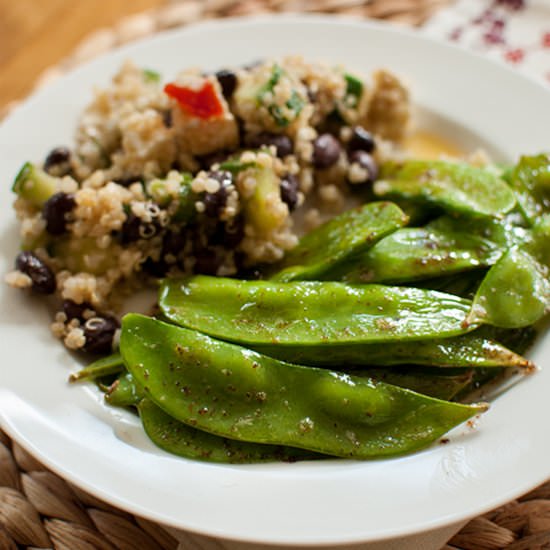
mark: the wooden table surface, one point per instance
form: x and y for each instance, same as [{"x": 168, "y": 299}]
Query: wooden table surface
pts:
[{"x": 35, "y": 34}]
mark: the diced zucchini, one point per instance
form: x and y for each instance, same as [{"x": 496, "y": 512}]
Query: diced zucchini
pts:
[
  {"x": 83, "y": 255},
  {"x": 260, "y": 209},
  {"x": 34, "y": 185}
]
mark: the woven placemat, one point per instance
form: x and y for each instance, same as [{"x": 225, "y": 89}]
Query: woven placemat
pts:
[{"x": 40, "y": 510}]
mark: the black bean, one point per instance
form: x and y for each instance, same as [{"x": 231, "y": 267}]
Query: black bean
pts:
[
  {"x": 361, "y": 140},
  {"x": 214, "y": 202},
  {"x": 75, "y": 311},
  {"x": 228, "y": 82},
  {"x": 58, "y": 161},
  {"x": 233, "y": 233},
  {"x": 326, "y": 151},
  {"x": 207, "y": 261},
  {"x": 55, "y": 210},
  {"x": 42, "y": 277},
  {"x": 367, "y": 162},
  {"x": 99, "y": 333},
  {"x": 134, "y": 229},
  {"x": 167, "y": 118},
  {"x": 283, "y": 144},
  {"x": 289, "y": 191},
  {"x": 157, "y": 268},
  {"x": 173, "y": 242}
]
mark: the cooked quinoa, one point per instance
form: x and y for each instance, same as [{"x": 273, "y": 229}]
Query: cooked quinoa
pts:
[{"x": 209, "y": 173}]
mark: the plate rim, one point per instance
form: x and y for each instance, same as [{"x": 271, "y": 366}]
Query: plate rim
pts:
[{"x": 29, "y": 446}]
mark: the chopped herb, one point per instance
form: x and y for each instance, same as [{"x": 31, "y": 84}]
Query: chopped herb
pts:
[
  {"x": 236, "y": 166},
  {"x": 150, "y": 76}
]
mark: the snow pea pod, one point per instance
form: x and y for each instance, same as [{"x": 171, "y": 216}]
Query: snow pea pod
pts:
[
  {"x": 424, "y": 381},
  {"x": 454, "y": 187},
  {"x": 310, "y": 313},
  {"x": 124, "y": 392},
  {"x": 180, "y": 439},
  {"x": 343, "y": 237},
  {"x": 234, "y": 392},
  {"x": 516, "y": 290},
  {"x": 411, "y": 254},
  {"x": 530, "y": 180},
  {"x": 469, "y": 350},
  {"x": 104, "y": 366}
]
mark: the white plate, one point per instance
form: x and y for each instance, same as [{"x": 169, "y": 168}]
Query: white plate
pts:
[{"x": 338, "y": 501}]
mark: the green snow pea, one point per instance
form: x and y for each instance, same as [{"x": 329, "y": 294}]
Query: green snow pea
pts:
[
  {"x": 463, "y": 284},
  {"x": 453, "y": 187},
  {"x": 513, "y": 294},
  {"x": 341, "y": 238},
  {"x": 516, "y": 290},
  {"x": 530, "y": 180},
  {"x": 105, "y": 366},
  {"x": 469, "y": 350},
  {"x": 234, "y": 392},
  {"x": 124, "y": 392},
  {"x": 180, "y": 439},
  {"x": 411, "y": 254},
  {"x": 310, "y": 313},
  {"x": 429, "y": 382},
  {"x": 502, "y": 233}
]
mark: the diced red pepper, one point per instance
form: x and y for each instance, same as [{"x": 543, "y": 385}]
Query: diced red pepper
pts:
[{"x": 202, "y": 103}]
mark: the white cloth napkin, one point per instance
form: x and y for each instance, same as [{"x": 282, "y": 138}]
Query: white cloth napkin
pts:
[{"x": 514, "y": 32}]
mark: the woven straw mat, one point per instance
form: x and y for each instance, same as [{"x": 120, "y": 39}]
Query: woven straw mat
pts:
[{"x": 40, "y": 510}]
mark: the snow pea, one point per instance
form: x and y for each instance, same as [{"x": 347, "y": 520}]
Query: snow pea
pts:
[
  {"x": 469, "y": 350},
  {"x": 463, "y": 284},
  {"x": 502, "y": 233},
  {"x": 180, "y": 439},
  {"x": 516, "y": 290},
  {"x": 310, "y": 313},
  {"x": 411, "y": 254},
  {"x": 234, "y": 392},
  {"x": 104, "y": 366},
  {"x": 454, "y": 187},
  {"x": 530, "y": 180},
  {"x": 344, "y": 236},
  {"x": 429, "y": 382},
  {"x": 124, "y": 392}
]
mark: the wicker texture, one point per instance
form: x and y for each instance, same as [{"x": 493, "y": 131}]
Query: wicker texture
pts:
[{"x": 39, "y": 509}]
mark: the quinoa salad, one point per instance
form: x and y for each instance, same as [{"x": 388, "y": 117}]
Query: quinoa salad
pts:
[{"x": 211, "y": 173}]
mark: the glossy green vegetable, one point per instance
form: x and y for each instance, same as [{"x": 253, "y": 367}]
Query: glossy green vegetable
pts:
[
  {"x": 310, "y": 313},
  {"x": 530, "y": 180},
  {"x": 34, "y": 185},
  {"x": 469, "y": 350},
  {"x": 124, "y": 392},
  {"x": 516, "y": 290},
  {"x": 425, "y": 381},
  {"x": 411, "y": 254},
  {"x": 340, "y": 240},
  {"x": 454, "y": 187},
  {"x": 234, "y": 392},
  {"x": 502, "y": 233},
  {"x": 105, "y": 366},
  {"x": 258, "y": 209},
  {"x": 180, "y": 439}
]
